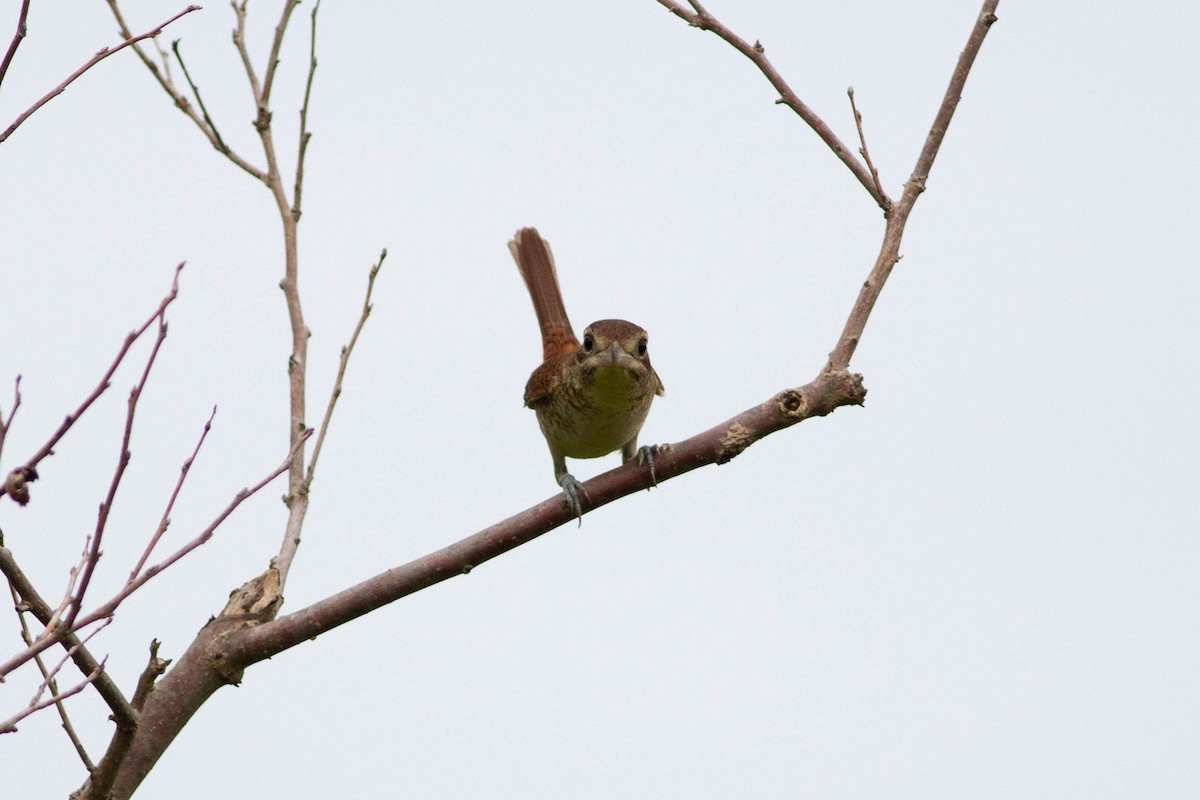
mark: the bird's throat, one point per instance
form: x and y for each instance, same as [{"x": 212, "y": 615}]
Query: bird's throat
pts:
[{"x": 614, "y": 387}]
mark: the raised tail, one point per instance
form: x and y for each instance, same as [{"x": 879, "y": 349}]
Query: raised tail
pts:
[{"x": 536, "y": 264}]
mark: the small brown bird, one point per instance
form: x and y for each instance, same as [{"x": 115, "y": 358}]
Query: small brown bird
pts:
[{"x": 591, "y": 398}]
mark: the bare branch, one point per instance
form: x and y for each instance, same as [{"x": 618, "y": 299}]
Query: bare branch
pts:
[
  {"x": 834, "y": 387},
  {"x": 96, "y": 59},
  {"x": 102, "y": 777},
  {"x": 132, "y": 586},
  {"x": 154, "y": 668},
  {"x": 863, "y": 151},
  {"x": 10, "y": 725},
  {"x": 18, "y": 36},
  {"x": 45, "y": 684},
  {"x": 264, "y": 99},
  {"x": 6, "y": 424},
  {"x": 305, "y": 135},
  {"x": 346, "y": 351},
  {"x": 105, "y": 382},
  {"x": 889, "y": 253},
  {"x": 165, "y": 521},
  {"x": 21, "y": 607},
  {"x": 163, "y": 76},
  {"x": 196, "y": 92},
  {"x": 59, "y": 633},
  {"x": 123, "y": 713},
  {"x": 715, "y": 446},
  {"x": 122, "y": 462},
  {"x": 239, "y": 42},
  {"x": 705, "y": 21}
]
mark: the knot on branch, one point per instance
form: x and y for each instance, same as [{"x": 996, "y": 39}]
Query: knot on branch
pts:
[
  {"x": 736, "y": 439},
  {"x": 791, "y": 403},
  {"x": 258, "y": 599},
  {"x": 833, "y": 389},
  {"x": 263, "y": 120}
]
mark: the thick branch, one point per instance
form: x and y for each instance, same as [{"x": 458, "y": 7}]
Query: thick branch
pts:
[{"x": 715, "y": 446}]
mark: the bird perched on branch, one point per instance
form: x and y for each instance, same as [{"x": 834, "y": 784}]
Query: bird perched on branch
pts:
[{"x": 591, "y": 397}]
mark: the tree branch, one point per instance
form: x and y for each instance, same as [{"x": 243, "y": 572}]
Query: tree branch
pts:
[
  {"x": 122, "y": 462},
  {"x": 889, "y": 252},
  {"x": 862, "y": 140},
  {"x": 337, "y": 384},
  {"x": 108, "y": 608},
  {"x": 5, "y": 424},
  {"x": 96, "y": 59},
  {"x": 18, "y": 36},
  {"x": 187, "y": 76},
  {"x": 305, "y": 135},
  {"x": 21, "y": 607},
  {"x": 123, "y": 713},
  {"x": 700, "y": 18},
  {"x": 10, "y": 725},
  {"x": 163, "y": 77},
  {"x": 165, "y": 521},
  {"x": 48, "y": 448}
]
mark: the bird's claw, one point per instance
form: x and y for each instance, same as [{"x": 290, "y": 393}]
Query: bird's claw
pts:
[
  {"x": 645, "y": 456},
  {"x": 571, "y": 489}
]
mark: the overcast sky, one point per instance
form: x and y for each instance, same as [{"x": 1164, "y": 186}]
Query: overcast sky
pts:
[{"x": 982, "y": 584}]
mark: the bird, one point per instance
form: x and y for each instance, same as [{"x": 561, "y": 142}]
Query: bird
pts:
[{"x": 591, "y": 396}]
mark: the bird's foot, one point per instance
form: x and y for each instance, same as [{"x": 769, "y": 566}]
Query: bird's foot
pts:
[
  {"x": 571, "y": 489},
  {"x": 645, "y": 456}
]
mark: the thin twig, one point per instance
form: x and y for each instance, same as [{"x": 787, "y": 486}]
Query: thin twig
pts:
[
  {"x": 865, "y": 153},
  {"x": 10, "y": 725},
  {"x": 705, "y": 21},
  {"x": 889, "y": 252},
  {"x": 337, "y": 384},
  {"x": 109, "y": 607},
  {"x": 305, "y": 135},
  {"x": 62, "y": 662},
  {"x": 239, "y": 43},
  {"x": 196, "y": 91},
  {"x": 154, "y": 668},
  {"x": 123, "y": 713},
  {"x": 105, "y": 382},
  {"x": 122, "y": 462},
  {"x": 19, "y": 35},
  {"x": 5, "y": 424},
  {"x": 93, "y": 61},
  {"x": 21, "y": 607},
  {"x": 163, "y": 76},
  {"x": 264, "y": 99},
  {"x": 165, "y": 521}
]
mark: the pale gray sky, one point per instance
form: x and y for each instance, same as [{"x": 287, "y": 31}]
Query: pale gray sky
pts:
[{"x": 983, "y": 584}]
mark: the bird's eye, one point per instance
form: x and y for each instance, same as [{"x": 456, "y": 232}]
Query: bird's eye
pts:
[
  {"x": 641, "y": 348},
  {"x": 588, "y": 343}
]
